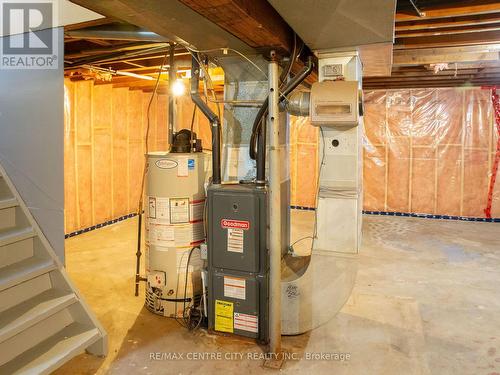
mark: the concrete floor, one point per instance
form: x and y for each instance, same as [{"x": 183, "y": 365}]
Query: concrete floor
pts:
[{"x": 426, "y": 301}]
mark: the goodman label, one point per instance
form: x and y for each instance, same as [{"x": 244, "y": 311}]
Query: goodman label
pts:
[{"x": 235, "y": 224}]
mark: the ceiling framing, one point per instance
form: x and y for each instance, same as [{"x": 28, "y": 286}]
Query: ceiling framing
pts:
[{"x": 463, "y": 37}]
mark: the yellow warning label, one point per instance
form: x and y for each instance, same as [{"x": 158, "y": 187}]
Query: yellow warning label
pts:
[{"x": 224, "y": 316}]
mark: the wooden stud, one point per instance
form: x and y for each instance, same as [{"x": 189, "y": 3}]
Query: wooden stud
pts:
[
  {"x": 462, "y": 157},
  {"x": 387, "y": 144},
  {"x": 410, "y": 159}
]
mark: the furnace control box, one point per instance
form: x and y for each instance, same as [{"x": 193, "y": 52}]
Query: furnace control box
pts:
[{"x": 238, "y": 260}]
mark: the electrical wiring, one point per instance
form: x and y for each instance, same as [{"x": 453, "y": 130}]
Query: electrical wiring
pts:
[
  {"x": 232, "y": 50},
  {"x": 318, "y": 179},
  {"x": 288, "y": 70},
  {"x": 143, "y": 180},
  {"x": 299, "y": 240},
  {"x": 153, "y": 94},
  {"x": 315, "y": 228},
  {"x": 182, "y": 323},
  {"x": 192, "y": 125},
  {"x": 261, "y": 114},
  {"x": 283, "y": 89},
  {"x": 188, "y": 320},
  {"x": 185, "y": 282}
]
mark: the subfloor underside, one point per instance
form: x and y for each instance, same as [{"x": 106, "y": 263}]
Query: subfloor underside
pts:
[{"x": 426, "y": 301}]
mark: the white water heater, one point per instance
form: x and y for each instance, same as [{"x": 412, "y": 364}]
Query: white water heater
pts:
[{"x": 174, "y": 211}]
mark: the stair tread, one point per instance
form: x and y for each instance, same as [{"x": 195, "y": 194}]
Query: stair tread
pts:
[
  {"x": 8, "y": 202},
  {"x": 24, "y": 270},
  {"x": 53, "y": 352},
  {"x": 11, "y": 235},
  {"x": 32, "y": 311},
  {"x": 48, "y": 312}
]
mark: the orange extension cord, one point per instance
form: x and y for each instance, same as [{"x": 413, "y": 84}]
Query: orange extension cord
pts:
[{"x": 496, "y": 109}]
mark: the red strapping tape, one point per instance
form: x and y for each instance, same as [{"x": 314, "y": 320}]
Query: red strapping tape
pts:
[{"x": 494, "y": 171}]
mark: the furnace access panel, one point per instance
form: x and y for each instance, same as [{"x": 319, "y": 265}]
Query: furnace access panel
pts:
[{"x": 238, "y": 260}]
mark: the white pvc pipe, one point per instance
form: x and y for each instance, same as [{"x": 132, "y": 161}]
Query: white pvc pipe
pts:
[{"x": 275, "y": 244}]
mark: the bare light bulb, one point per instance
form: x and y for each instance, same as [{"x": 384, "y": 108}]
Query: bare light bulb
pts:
[{"x": 178, "y": 88}]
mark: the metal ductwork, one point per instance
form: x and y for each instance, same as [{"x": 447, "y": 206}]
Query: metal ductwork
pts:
[
  {"x": 298, "y": 103},
  {"x": 339, "y": 23},
  {"x": 117, "y": 31},
  {"x": 212, "y": 118}
]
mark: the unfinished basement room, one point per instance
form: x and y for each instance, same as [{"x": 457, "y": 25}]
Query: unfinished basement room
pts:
[{"x": 254, "y": 186}]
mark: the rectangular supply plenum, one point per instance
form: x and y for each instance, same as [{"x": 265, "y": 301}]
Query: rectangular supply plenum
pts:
[{"x": 238, "y": 260}]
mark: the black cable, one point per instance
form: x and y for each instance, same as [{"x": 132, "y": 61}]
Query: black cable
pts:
[
  {"x": 288, "y": 70},
  {"x": 263, "y": 109},
  {"x": 291, "y": 85},
  {"x": 191, "y": 146},
  {"x": 139, "y": 209},
  {"x": 185, "y": 282},
  {"x": 182, "y": 323},
  {"x": 189, "y": 319}
]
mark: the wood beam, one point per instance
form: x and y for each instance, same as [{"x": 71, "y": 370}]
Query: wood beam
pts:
[
  {"x": 437, "y": 23},
  {"x": 255, "y": 22},
  {"x": 382, "y": 80},
  {"x": 376, "y": 59},
  {"x": 407, "y": 57},
  {"x": 408, "y": 85},
  {"x": 100, "y": 42},
  {"x": 133, "y": 64},
  {"x": 125, "y": 47},
  {"x": 450, "y": 72},
  {"x": 463, "y": 8},
  {"x": 68, "y": 40},
  {"x": 170, "y": 19},
  {"x": 448, "y": 40},
  {"x": 478, "y": 65},
  {"x": 448, "y": 30},
  {"x": 83, "y": 25}
]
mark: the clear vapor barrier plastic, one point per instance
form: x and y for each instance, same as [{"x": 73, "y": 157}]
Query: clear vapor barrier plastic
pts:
[{"x": 430, "y": 151}]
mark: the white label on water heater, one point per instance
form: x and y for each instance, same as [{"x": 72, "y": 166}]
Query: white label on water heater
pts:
[
  {"x": 179, "y": 210},
  {"x": 182, "y": 167},
  {"x": 159, "y": 210},
  {"x": 235, "y": 240},
  {"x": 162, "y": 209},
  {"x": 160, "y": 234},
  {"x": 183, "y": 235},
  {"x": 196, "y": 210},
  {"x": 234, "y": 287},
  {"x": 152, "y": 208}
]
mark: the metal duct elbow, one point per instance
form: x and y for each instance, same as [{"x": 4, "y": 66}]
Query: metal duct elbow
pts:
[
  {"x": 298, "y": 103},
  {"x": 195, "y": 94}
]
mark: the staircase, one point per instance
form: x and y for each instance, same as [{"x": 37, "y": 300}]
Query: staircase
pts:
[{"x": 43, "y": 320}]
